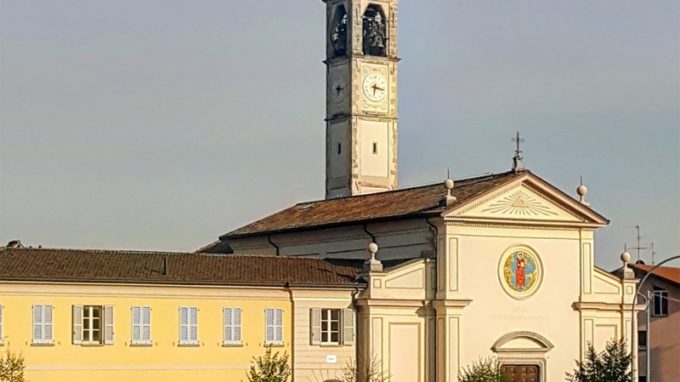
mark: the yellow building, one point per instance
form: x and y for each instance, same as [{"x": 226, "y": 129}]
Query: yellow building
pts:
[{"x": 80, "y": 315}]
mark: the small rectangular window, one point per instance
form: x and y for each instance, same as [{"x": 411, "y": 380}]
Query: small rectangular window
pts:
[
  {"x": 642, "y": 339},
  {"x": 660, "y": 302},
  {"x": 141, "y": 325},
  {"x": 274, "y": 326},
  {"x": 375, "y": 147},
  {"x": 339, "y": 148},
  {"x": 42, "y": 324},
  {"x": 232, "y": 326},
  {"x": 188, "y": 325}
]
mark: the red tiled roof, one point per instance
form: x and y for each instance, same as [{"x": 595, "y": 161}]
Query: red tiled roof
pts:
[
  {"x": 671, "y": 274},
  {"x": 72, "y": 265},
  {"x": 417, "y": 201}
]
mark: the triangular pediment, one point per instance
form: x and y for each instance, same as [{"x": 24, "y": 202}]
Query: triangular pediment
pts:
[{"x": 527, "y": 199}]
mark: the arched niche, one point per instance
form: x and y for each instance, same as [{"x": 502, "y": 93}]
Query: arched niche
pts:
[
  {"x": 522, "y": 342},
  {"x": 374, "y": 31}
]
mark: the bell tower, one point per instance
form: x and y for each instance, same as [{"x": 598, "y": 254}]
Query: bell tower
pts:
[{"x": 361, "y": 97}]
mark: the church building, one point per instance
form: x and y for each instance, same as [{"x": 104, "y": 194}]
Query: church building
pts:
[
  {"x": 499, "y": 265},
  {"x": 415, "y": 283}
]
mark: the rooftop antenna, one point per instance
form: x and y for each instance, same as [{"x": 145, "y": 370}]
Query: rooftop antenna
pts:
[
  {"x": 653, "y": 252},
  {"x": 517, "y": 164},
  {"x": 638, "y": 248}
]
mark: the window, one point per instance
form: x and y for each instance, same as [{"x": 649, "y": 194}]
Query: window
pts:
[
  {"x": 642, "y": 339},
  {"x": 42, "y": 324},
  {"x": 188, "y": 325},
  {"x": 339, "y": 148},
  {"x": 332, "y": 326},
  {"x": 232, "y": 326},
  {"x": 92, "y": 324},
  {"x": 375, "y": 147},
  {"x": 274, "y": 326},
  {"x": 141, "y": 325},
  {"x": 660, "y": 302}
]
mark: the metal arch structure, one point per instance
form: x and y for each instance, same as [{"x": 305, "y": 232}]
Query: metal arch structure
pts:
[{"x": 632, "y": 312}]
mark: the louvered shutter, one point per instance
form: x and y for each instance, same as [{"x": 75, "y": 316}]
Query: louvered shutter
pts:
[
  {"x": 315, "y": 326},
  {"x": 146, "y": 324},
  {"x": 77, "y": 324},
  {"x": 136, "y": 324},
  {"x": 47, "y": 323},
  {"x": 108, "y": 325},
  {"x": 37, "y": 323},
  {"x": 279, "y": 326},
  {"x": 193, "y": 325},
  {"x": 237, "y": 325},
  {"x": 269, "y": 326},
  {"x": 183, "y": 325},
  {"x": 348, "y": 327},
  {"x": 228, "y": 325}
]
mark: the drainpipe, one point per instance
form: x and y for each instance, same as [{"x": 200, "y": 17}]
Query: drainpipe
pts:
[
  {"x": 292, "y": 326},
  {"x": 365, "y": 227},
  {"x": 435, "y": 240},
  {"x": 269, "y": 239}
]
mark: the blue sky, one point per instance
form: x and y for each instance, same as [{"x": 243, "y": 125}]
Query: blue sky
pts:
[{"x": 163, "y": 124}]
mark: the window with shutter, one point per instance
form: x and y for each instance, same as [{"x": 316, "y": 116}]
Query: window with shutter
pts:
[
  {"x": 274, "y": 326},
  {"x": 188, "y": 325},
  {"x": 94, "y": 324},
  {"x": 348, "y": 327},
  {"x": 232, "y": 326},
  {"x": 42, "y": 324},
  {"x": 315, "y": 326},
  {"x": 141, "y": 325}
]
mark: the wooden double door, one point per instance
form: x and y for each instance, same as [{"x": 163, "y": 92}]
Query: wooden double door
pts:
[{"x": 521, "y": 373}]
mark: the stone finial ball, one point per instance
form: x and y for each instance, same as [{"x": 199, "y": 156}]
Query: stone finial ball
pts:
[
  {"x": 448, "y": 183},
  {"x": 373, "y": 248},
  {"x": 625, "y": 257},
  {"x": 582, "y": 190}
]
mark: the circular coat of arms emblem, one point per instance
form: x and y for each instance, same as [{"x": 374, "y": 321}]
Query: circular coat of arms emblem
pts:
[{"x": 520, "y": 272}]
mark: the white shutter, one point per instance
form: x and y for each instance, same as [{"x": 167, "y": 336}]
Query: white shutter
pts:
[
  {"x": 237, "y": 325},
  {"x": 269, "y": 326},
  {"x": 1, "y": 332},
  {"x": 183, "y": 325},
  {"x": 146, "y": 324},
  {"x": 228, "y": 325},
  {"x": 47, "y": 323},
  {"x": 279, "y": 326},
  {"x": 348, "y": 327},
  {"x": 193, "y": 327},
  {"x": 77, "y": 334},
  {"x": 108, "y": 325},
  {"x": 37, "y": 323},
  {"x": 315, "y": 326},
  {"x": 136, "y": 325}
]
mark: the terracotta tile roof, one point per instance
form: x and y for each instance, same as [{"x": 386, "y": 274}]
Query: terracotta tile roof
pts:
[
  {"x": 71, "y": 265},
  {"x": 417, "y": 201},
  {"x": 671, "y": 274}
]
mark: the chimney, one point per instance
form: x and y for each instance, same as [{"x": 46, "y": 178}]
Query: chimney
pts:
[{"x": 15, "y": 244}]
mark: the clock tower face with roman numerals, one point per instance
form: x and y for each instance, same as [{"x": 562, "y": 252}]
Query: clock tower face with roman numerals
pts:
[{"x": 361, "y": 97}]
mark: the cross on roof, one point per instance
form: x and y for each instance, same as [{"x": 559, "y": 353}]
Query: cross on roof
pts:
[{"x": 517, "y": 164}]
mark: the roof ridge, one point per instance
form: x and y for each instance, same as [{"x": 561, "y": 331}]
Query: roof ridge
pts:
[
  {"x": 465, "y": 180},
  {"x": 100, "y": 250}
]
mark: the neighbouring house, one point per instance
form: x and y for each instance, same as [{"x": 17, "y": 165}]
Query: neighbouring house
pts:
[
  {"x": 132, "y": 316},
  {"x": 663, "y": 334}
]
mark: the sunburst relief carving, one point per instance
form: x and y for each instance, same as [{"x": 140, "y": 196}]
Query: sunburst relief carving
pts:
[{"x": 519, "y": 203}]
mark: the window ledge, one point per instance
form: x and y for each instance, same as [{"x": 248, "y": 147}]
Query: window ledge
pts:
[
  {"x": 274, "y": 344},
  {"x": 91, "y": 344},
  {"x": 39, "y": 344},
  {"x": 232, "y": 344},
  {"x": 330, "y": 345},
  {"x": 189, "y": 345},
  {"x": 141, "y": 345}
]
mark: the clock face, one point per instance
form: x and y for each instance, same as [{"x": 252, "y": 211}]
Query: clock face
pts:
[{"x": 375, "y": 87}]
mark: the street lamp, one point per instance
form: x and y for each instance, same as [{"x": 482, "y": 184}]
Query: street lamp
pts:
[{"x": 632, "y": 310}]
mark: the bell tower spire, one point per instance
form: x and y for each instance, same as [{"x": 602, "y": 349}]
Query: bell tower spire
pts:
[{"x": 361, "y": 97}]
